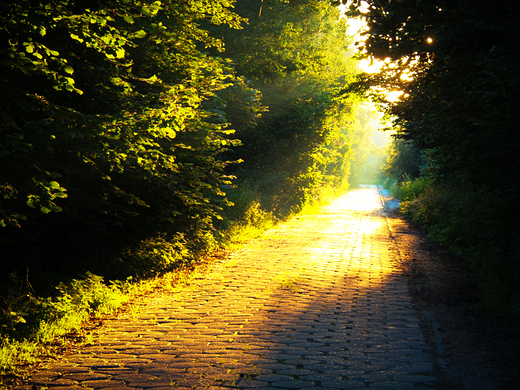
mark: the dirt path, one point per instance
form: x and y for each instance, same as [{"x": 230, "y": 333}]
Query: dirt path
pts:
[{"x": 321, "y": 302}]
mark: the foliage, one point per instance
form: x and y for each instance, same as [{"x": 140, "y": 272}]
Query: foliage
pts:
[
  {"x": 296, "y": 55},
  {"x": 459, "y": 67},
  {"x": 36, "y": 323},
  {"x": 117, "y": 122},
  {"x": 254, "y": 222},
  {"x": 156, "y": 254},
  {"x": 365, "y": 156},
  {"x": 404, "y": 160},
  {"x": 110, "y": 115},
  {"x": 122, "y": 126},
  {"x": 478, "y": 227},
  {"x": 39, "y": 322},
  {"x": 463, "y": 89}
]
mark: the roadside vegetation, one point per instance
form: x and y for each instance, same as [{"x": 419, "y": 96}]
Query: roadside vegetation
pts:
[
  {"x": 454, "y": 162},
  {"x": 138, "y": 138},
  {"x": 475, "y": 225},
  {"x": 35, "y": 328}
]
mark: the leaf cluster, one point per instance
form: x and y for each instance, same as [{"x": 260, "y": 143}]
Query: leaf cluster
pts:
[
  {"x": 298, "y": 56},
  {"x": 462, "y": 68},
  {"x": 463, "y": 61},
  {"x": 110, "y": 115},
  {"x": 123, "y": 121}
]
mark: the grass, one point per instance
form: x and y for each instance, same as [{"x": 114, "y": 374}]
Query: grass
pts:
[
  {"x": 35, "y": 328},
  {"x": 66, "y": 318}
]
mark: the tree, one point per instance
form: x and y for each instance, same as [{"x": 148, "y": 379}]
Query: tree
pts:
[
  {"x": 404, "y": 161},
  {"x": 463, "y": 93},
  {"x": 297, "y": 55},
  {"x": 461, "y": 112},
  {"x": 110, "y": 115}
]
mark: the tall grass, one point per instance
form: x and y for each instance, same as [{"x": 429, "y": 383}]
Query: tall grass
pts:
[
  {"x": 33, "y": 323},
  {"x": 50, "y": 322}
]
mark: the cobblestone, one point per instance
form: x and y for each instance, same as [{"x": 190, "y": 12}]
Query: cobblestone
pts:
[{"x": 320, "y": 302}]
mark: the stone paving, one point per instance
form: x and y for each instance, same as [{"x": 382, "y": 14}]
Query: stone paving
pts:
[{"x": 320, "y": 303}]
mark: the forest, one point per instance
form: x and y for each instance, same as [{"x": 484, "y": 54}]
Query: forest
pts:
[
  {"x": 130, "y": 126},
  {"x": 137, "y": 136},
  {"x": 455, "y": 159}
]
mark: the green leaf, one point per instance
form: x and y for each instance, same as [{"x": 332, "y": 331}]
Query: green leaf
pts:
[
  {"x": 76, "y": 38},
  {"x": 128, "y": 19},
  {"x": 45, "y": 210},
  {"x": 170, "y": 132},
  {"x": 69, "y": 69},
  {"x": 54, "y": 184},
  {"x": 53, "y": 175},
  {"x": 140, "y": 34}
]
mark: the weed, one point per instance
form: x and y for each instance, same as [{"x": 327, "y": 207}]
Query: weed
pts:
[{"x": 253, "y": 223}]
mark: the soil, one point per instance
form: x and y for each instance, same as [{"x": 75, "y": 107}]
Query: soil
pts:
[{"x": 471, "y": 349}]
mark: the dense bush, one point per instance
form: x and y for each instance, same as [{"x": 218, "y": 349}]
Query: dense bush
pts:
[
  {"x": 476, "y": 226},
  {"x": 457, "y": 65}
]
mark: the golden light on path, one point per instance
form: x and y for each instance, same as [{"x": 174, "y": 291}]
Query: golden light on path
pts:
[
  {"x": 347, "y": 246},
  {"x": 357, "y": 235},
  {"x": 321, "y": 292}
]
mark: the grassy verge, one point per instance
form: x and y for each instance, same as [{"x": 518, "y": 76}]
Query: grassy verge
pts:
[{"x": 53, "y": 324}]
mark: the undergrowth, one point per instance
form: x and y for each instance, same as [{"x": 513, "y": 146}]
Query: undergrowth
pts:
[
  {"x": 481, "y": 227},
  {"x": 51, "y": 323}
]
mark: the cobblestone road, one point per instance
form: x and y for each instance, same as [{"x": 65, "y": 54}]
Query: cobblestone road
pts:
[{"x": 321, "y": 302}]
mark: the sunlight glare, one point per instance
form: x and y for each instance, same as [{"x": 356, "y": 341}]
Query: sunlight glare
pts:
[
  {"x": 362, "y": 239},
  {"x": 394, "y": 96}
]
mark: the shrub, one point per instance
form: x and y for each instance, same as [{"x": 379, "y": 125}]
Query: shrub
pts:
[
  {"x": 478, "y": 226},
  {"x": 158, "y": 254}
]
